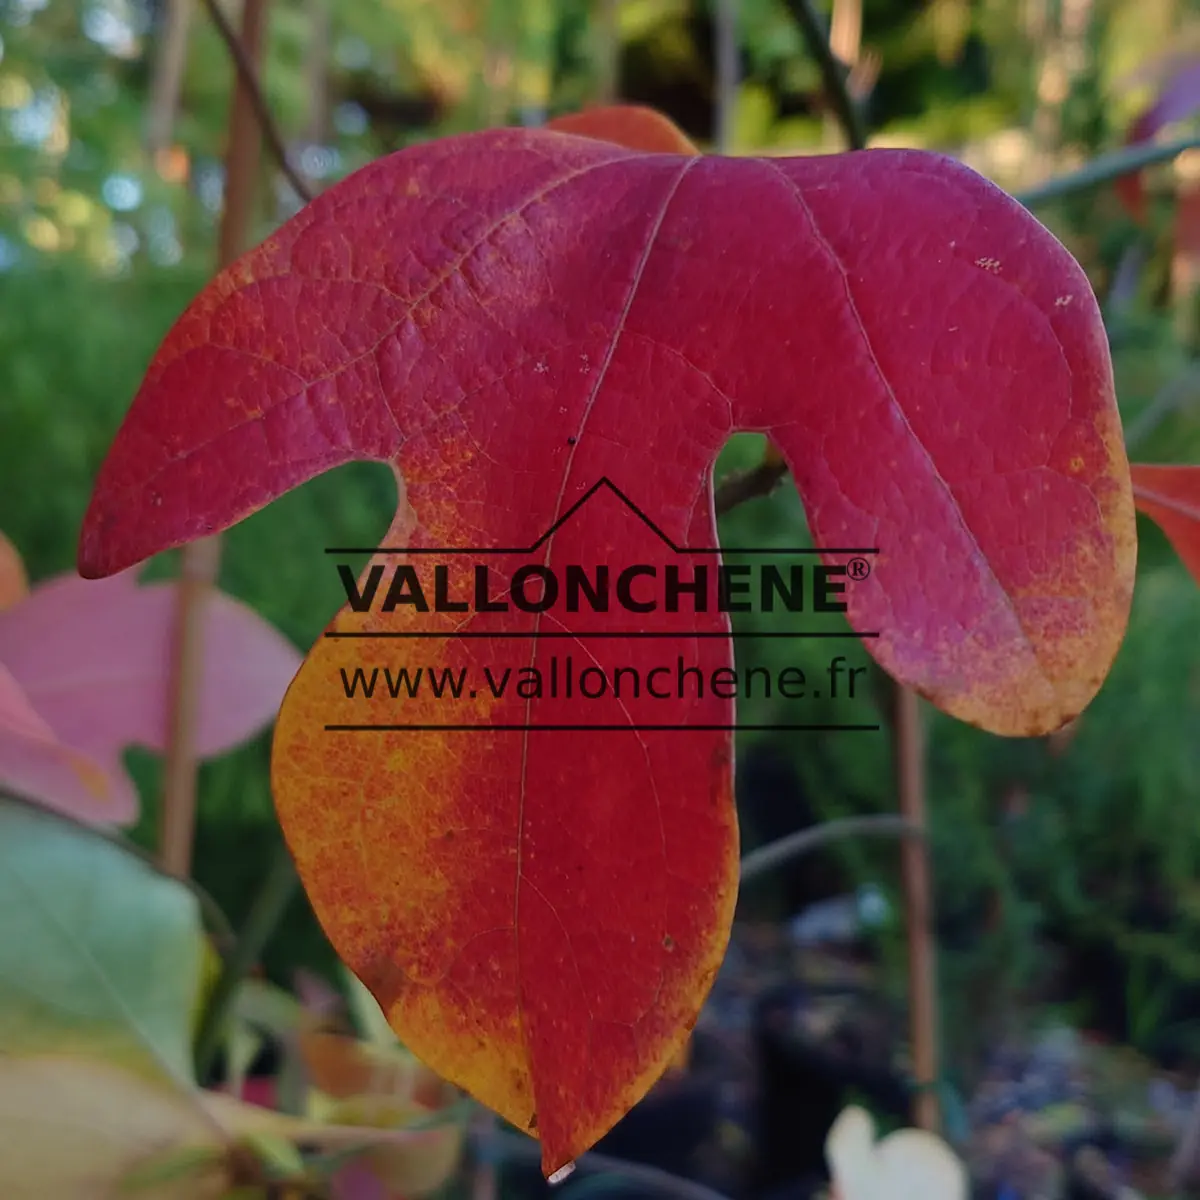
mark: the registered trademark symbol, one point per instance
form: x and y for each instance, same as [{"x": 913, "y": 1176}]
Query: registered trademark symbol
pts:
[{"x": 858, "y": 568}]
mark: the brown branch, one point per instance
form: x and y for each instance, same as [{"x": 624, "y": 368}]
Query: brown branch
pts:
[
  {"x": 248, "y": 83},
  {"x": 317, "y": 70},
  {"x": 908, "y": 738},
  {"x": 169, "y": 61},
  {"x": 834, "y": 74},
  {"x": 908, "y": 744},
  {"x": 774, "y": 854},
  {"x": 197, "y": 573},
  {"x": 761, "y": 480},
  {"x": 607, "y": 18},
  {"x": 244, "y": 149},
  {"x": 726, "y": 15},
  {"x": 201, "y": 559},
  {"x": 512, "y": 1147}
]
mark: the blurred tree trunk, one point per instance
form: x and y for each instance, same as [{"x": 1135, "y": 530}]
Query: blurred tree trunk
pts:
[
  {"x": 608, "y": 51},
  {"x": 201, "y": 560},
  {"x": 1058, "y": 29},
  {"x": 845, "y": 38},
  {"x": 728, "y": 72},
  {"x": 499, "y": 20},
  {"x": 166, "y": 84},
  {"x": 846, "y": 42},
  {"x": 317, "y": 72}
]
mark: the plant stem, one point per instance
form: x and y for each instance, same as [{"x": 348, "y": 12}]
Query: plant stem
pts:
[
  {"x": 908, "y": 742},
  {"x": 245, "y": 135},
  {"x": 513, "y": 1147},
  {"x": 200, "y": 560},
  {"x": 1176, "y": 393},
  {"x": 247, "y": 74},
  {"x": 1105, "y": 169},
  {"x": 244, "y": 148},
  {"x": 607, "y": 17},
  {"x": 909, "y": 750},
  {"x": 726, "y": 38},
  {"x": 198, "y": 568},
  {"x": 270, "y": 904},
  {"x": 767, "y": 858},
  {"x": 761, "y": 480},
  {"x": 170, "y": 59},
  {"x": 745, "y": 485},
  {"x": 833, "y": 73}
]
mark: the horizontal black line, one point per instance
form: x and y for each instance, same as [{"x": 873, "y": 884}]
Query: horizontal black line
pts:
[
  {"x": 601, "y": 728},
  {"x": 484, "y": 550},
  {"x": 638, "y": 634}
]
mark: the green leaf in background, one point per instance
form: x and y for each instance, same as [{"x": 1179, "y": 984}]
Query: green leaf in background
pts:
[
  {"x": 100, "y": 969},
  {"x": 98, "y": 950},
  {"x": 100, "y": 960}
]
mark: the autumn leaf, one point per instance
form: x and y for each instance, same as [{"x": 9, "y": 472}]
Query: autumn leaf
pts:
[
  {"x": 343, "y": 1066},
  {"x": 550, "y": 338},
  {"x": 35, "y": 764},
  {"x": 629, "y": 125},
  {"x": 92, "y": 660},
  {"x": 375, "y": 1080},
  {"x": 372, "y": 1083},
  {"x": 1170, "y": 497}
]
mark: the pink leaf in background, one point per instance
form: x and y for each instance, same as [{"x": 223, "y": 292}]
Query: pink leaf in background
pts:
[
  {"x": 356, "y": 1181},
  {"x": 93, "y": 659},
  {"x": 1178, "y": 98},
  {"x": 36, "y": 765}
]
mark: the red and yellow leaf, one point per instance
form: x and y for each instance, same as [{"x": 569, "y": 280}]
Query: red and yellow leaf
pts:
[
  {"x": 543, "y": 333},
  {"x": 1170, "y": 497}
]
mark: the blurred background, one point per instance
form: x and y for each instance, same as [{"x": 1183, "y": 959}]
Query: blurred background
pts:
[{"x": 1066, "y": 870}]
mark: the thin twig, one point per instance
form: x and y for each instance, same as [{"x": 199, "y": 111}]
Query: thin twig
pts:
[
  {"x": 169, "y": 61},
  {"x": 767, "y": 858},
  {"x": 1105, "y": 169},
  {"x": 834, "y": 74},
  {"x": 485, "y": 1179},
  {"x": 243, "y": 152},
  {"x": 267, "y": 910},
  {"x": 1183, "y": 1161},
  {"x": 317, "y": 71},
  {"x": 607, "y": 15},
  {"x": 909, "y": 750},
  {"x": 200, "y": 560},
  {"x": 248, "y": 78},
  {"x": 762, "y": 479},
  {"x": 1174, "y": 395},
  {"x": 726, "y": 38},
  {"x": 198, "y": 568},
  {"x": 908, "y": 740},
  {"x": 746, "y": 485},
  {"x": 515, "y": 1148}
]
